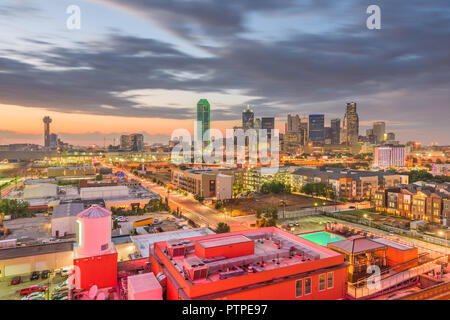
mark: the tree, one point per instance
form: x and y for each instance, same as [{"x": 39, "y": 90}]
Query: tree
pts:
[
  {"x": 222, "y": 228},
  {"x": 319, "y": 189},
  {"x": 14, "y": 208},
  {"x": 258, "y": 213},
  {"x": 275, "y": 187},
  {"x": 99, "y": 177},
  {"x": 268, "y": 219}
]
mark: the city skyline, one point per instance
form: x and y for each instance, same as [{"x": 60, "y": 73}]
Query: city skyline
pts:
[{"x": 82, "y": 78}]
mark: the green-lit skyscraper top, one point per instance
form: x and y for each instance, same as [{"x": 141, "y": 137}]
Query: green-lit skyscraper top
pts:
[{"x": 203, "y": 116}]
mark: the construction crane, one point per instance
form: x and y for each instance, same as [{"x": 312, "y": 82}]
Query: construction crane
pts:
[{"x": 3, "y": 229}]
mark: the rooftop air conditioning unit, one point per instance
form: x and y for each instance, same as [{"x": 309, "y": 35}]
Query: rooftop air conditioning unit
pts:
[
  {"x": 196, "y": 268},
  {"x": 176, "y": 249}
]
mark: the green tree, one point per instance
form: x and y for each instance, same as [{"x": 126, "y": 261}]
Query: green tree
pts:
[
  {"x": 14, "y": 208},
  {"x": 222, "y": 228}
]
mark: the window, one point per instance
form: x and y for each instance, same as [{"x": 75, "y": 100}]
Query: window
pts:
[
  {"x": 307, "y": 286},
  {"x": 330, "y": 280},
  {"x": 298, "y": 288},
  {"x": 322, "y": 282}
]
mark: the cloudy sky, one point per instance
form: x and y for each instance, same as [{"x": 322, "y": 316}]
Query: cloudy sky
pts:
[{"x": 141, "y": 66}]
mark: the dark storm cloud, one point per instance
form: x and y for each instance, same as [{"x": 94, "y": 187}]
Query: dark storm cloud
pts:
[
  {"x": 198, "y": 19},
  {"x": 399, "y": 72}
]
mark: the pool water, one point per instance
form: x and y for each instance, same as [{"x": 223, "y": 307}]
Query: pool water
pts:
[{"x": 322, "y": 238}]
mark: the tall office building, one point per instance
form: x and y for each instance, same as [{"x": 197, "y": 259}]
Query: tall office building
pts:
[
  {"x": 125, "y": 142},
  {"x": 268, "y": 123},
  {"x": 390, "y": 136},
  {"x": 248, "y": 119},
  {"x": 335, "y": 131},
  {"x": 351, "y": 124},
  {"x": 137, "y": 142},
  {"x": 204, "y": 120},
  {"x": 389, "y": 156},
  {"x": 47, "y": 120},
  {"x": 293, "y": 123},
  {"x": 316, "y": 128},
  {"x": 379, "y": 129},
  {"x": 53, "y": 141}
]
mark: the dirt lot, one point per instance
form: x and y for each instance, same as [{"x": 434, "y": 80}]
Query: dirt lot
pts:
[
  {"x": 377, "y": 218},
  {"x": 262, "y": 201}
]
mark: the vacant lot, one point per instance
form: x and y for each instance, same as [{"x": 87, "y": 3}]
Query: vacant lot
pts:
[
  {"x": 376, "y": 218},
  {"x": 262, "y": 201}
]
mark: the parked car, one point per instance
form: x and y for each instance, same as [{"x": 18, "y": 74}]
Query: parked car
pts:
[
  {"x": 45, "y": 274},
  {"x": 34, "y": 295},
  {"x": 34, "y": 275},
  {"x": 35, "y": 288},
  {"x": 352, "y": 207},
  {"x": 66, "y": 271},
  {"x": 121, "y": 219},
  {"x": 16, "y": 280},
  {"x": 60, "y": 295}
]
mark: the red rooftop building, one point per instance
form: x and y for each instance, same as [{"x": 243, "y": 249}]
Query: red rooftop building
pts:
[{"x": 265, "y": 263}]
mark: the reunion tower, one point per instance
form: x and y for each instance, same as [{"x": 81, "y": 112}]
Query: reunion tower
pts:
[{"x": 47, "y": 120}]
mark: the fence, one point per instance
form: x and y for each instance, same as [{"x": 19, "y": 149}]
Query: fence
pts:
[
  {"x": 286, "y": 215},
  {"x": 442, "y": 288}
]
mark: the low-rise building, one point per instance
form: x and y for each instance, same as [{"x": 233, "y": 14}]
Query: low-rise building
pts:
[
  {"x": 415, "y": 201},
  {"x": 64, "y": 217},
  {"x": 266, "y": 263},
  {"x": 204, "y": 182},
  {"x": 351, "y": 184}
]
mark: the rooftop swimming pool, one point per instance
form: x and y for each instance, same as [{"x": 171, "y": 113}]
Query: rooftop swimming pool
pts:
[{"x": 322, "y": 238}]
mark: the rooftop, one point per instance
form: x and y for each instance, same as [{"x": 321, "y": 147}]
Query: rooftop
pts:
[
  {"x": 144, "y": 242},
  {"x": 393, "y": 244},
  {"x": 274, "y": 249},
  {"x": 67, "y": 210},
  {"x": 357, "y": 245}
]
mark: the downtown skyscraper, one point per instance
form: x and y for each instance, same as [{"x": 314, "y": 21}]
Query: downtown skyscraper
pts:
[
  {"x": 248, "y": 118},
  {"x": 379, "y": 129},
  {"x": 202, "y": 124},
  {"x": 335, "y": 131},
  {"x": 316, "y": 128},
  {"x": 351, "y": 125}
]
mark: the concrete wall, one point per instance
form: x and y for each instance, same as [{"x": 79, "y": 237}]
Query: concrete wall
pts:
[{"x": 65, "y": 225}]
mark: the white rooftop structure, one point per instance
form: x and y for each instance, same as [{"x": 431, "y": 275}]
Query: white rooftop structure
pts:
[
  {"x": 114, "y": 192},
  {"x": 42, "y": 190}
]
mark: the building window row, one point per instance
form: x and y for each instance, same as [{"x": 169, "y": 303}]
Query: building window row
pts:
[{"x": 304, "y": 286}]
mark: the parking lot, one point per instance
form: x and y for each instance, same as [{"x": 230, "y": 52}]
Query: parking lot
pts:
[{"x": 11, "y": 292}]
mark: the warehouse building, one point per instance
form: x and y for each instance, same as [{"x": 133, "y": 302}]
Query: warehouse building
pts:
[
  {"x": 64, "y": 217},
  {"x": 257, "y": 264}
]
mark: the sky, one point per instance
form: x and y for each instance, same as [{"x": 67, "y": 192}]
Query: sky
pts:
[{"x": 140, "y": 66}]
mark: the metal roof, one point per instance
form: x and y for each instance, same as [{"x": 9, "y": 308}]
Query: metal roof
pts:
[
  {"x": 67, "y": 210},
  {"x": 357, "y": 245},
  {"x": 94, "y": 212}
]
